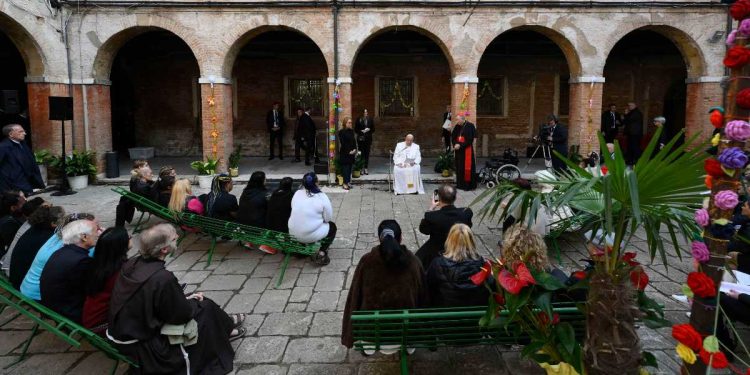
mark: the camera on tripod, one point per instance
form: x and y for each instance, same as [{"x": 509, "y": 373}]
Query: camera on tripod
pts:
[{"x": 544, "y": 132}]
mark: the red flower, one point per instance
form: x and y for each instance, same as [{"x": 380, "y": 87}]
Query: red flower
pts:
[
  {"x": 687, "y": 335},
  {"x": 719, "y": 360},
  {"x": 639, "y": 278},
  {"x": 580, "y": 275},
  {"x": 514, "y": 283},
  {"x": 604, "y": 170},
  {"x": 709, "y": 182},
  {"x": 629, "y": 258},
  {"x": 717, "y": 119},
  {"x": 739, "y": 10},
  {"x": 743, "y": 98},
  {"x": 499, "y": 298},
  {"x": 479, "y": 277},
  {"x": 701, "y": 285},
  {"x": 544, "y": 318},
  {"x": 736, "y": 57},
  {"x": 713, "y": 167}
]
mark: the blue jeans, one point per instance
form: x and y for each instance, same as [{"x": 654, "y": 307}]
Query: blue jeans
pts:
[{"x": 346, "y": 170}]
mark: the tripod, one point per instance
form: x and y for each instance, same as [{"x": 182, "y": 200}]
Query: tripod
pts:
[{"x": 546, "y": 153}]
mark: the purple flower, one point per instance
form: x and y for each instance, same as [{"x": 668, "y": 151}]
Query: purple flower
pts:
[
  {"x": 700, "y": 251},
  {"x": 726, "y": 199},
  {"x": 701, "y": 217},
  {"x": 737, "y": 130},
  {"x": 731, "y": 38},
  {"x": 733, "y": 158},
  {"x": 744, "y": 28}
]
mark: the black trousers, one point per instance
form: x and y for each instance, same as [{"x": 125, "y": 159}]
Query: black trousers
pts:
[
  {"x": 329, "y": 238},
  {"x": 610, "y": 135},
  {"x": 277, "y": 137},
  {"x": 365, "y": 148},
  {"x": 446, "y": 139},
  {"x": 308, "y": 146},
  {"x": 634, "y": 149},
  {"x": 346, "y": 170}
]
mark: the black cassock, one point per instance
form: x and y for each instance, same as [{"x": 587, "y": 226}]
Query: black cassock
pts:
[
  {"x": 145, "y": 297},
  {"x": 466, "y": 168}
]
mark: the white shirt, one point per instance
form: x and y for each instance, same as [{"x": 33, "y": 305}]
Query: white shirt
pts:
[
  {"x": 407, "y": 154},
  {"x": 308, "y": 222}
]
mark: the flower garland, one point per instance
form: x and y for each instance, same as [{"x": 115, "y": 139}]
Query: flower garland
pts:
[
  {"x": 214, "y": 134},
  {"x": 465, "y": 101}
]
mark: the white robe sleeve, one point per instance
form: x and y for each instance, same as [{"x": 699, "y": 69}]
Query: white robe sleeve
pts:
[
  {"x": 418, "y": 155},
  {"x": 399, "y": 156}
]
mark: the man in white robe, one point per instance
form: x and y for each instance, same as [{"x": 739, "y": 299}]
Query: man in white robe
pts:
[{"x": 407, "y": 177}]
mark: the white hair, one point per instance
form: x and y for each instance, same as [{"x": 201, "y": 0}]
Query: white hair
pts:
[
  {"x": 154, "y": 239},
  {"x": 660, "y": 119},
  {"x": 72, "y": 233}
]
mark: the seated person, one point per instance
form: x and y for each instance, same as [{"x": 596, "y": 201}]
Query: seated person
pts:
[
  {"x": 183, "y": 200},
  {"x": 388, "y": 277},
  {"x": 65, "y": 276},
  {"x": 280, "y": 206},
  {"x": 163, "y": 186},
  {"x": 30, "y": 284},
  {"x": 11, "y": 217},
  {"x": 141, "y": 183},
  {"x": 437, "y": 222},
  {"x": 541, "y": 222},
  {"x": 111, "y": 253},
  {"x": 219, "y": 203},
  {"x": 449, "y": 276},
  {"x": 43, "y": 223},
  {"x": 147, "y": 298},
  {"x": 310, "y": 220},
  {"x": 407, "y": 177},
  {"x": 254, "y": 201},
  {"x": 27, "y": 210}
]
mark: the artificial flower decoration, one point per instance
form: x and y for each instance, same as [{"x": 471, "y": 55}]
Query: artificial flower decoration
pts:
[
  {"x": 686, "y": 354},
  {"x": 717, "y": 116},
  {"x": 744, "y": 28},
  {"x": 733, "y": 158},
  {"x": 718, "y": 360},
  {"x": 740, "y": 9},
  {"x": 726, "y": 199},
  {"x": 711, "y": 344},
  {"x": 479, "y": 277},
  {"x": 721, "y": 231},
  {"x": 709, "y": 181},
  {"x": 701, "y": 217},
  {"x": 702, "y": 286},
  {"x": 736, "y": 57},
  {"x": 716, "y": 139},
  {"x": 743, "y": 99},
  {"x": 687, "y": 335},
  {"x": 731, "y": 38},
  {"x": 713, "y": 167},
  {"x": 738, "y": 130},
  {"x": 639, "y": 278},
  {"x": 519, "y": 279},
  {"x": 699, "y": 250}
]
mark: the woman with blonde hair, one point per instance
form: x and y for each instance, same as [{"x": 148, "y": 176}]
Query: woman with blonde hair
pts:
[
  {"x": 449, "y": 276},
  {"x": 521, "y": 244},
  {"x": 347, "y": 150},
  {"x": 183, "y": 200}
]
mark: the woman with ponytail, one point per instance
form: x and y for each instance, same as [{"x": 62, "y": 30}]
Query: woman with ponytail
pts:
[
  {"x": 311, "y": 217},
  {"x": 220, "y": 203},
  {"x": 388, "y": 277}
]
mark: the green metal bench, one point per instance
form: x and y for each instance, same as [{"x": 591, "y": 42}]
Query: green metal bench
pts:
[
  {"x": 62, "y": 327},
  {"x": 440, "y": 327},
  {"x": 216, "y": 229}
]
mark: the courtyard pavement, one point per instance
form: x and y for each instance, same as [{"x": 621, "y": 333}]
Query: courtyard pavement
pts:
[{"x": 295, "y": 328}]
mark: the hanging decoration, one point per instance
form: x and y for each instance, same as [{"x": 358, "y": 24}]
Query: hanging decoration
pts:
[
  {"x": 397, "y": 96},
  {"x": 214, "y": 134}
]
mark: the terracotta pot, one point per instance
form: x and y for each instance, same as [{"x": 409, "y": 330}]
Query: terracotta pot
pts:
[{"x": 356, "y": 174}]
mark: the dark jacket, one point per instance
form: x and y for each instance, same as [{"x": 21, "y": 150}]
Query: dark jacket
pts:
[
  {"x": 560, "y": 139},
  {"x": 27, "y": 247},
  {"x": 361, "y": 125},
  {"x": 279, "y": 120},
  {"x": 633, "y": 123},
  {"x": 450, "y": 284},
  {"x": 347, "y": 143},
  {"x": 279, "y": 210},
  {"x": 63, "y": 281},
  {"x": 253, "y": 205},
  {"x": 437, "y": 224},
  {"x": 18, "y": 168},
  {"x": 9, "y": 225},
  {"x": 305, "y": 128},
  {"x": 610, "y": 122}
]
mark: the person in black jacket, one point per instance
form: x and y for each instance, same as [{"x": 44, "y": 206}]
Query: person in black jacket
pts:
[
  {"x": 254, "y": 201},
  {"x": 449, "y": 276},
  {"x": 18, "y": 168},
  {"x": 304, "y": 136},
  {"x": 11, "y": 217},
  {"x": 347, "y": 150},
  {"x": 275, "y": 123},
  {"x": 632, "y": 121},
  {"x": 43, "y": 223},
  {"x": 610, "y": 123},
  {"x": 437, "y": 222},
  {"x": 364, "y": 129},
  {"x": 141, "y": 183},
  {"x": 280, "y": 206},
  {"x": 557, "y": 136},
  {"x": 163, "y": 186}
]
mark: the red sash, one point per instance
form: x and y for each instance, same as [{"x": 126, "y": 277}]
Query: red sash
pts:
[{"x": 467, "y": 157}]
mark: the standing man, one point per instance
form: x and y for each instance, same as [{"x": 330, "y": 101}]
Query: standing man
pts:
[
  {"x": 18, "y": 168},
  {"x": 304, "y": 136},
  {"x": 557, "y": 137},
  {"x": 447, "y": 128},
  {"x": 364, "y": 129},
  {"x": 610, "y": 122},
  {"x": 276, "y": 124},
  {"x": 633, "y": 123},
  {"x": 463, "y": 146},
  {"x": 437, "y": 222}
]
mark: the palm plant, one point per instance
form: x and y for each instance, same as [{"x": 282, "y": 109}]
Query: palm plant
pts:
[{"x": 660, "y": 192}]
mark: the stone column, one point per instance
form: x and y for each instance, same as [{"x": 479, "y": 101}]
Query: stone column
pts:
[
  {"x": 216, "y": 119},
  {"x": 584, "y": 115},
  {"x": 344, "y": 109},
  {"x": 702, "y": 94}
]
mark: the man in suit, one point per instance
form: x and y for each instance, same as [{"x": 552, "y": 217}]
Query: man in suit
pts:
[
  {"x": 364, "y": 129},
  {"x": 610, "y": 122},
  {"x": 633, "y": 123},
  {"x": 437, "y": 222},
  {"x": 18, "y": 168},
  {"x": 304, "y": 136},
  {"x": 557, "y": 137},
  {"x": 276, "y": 124}
]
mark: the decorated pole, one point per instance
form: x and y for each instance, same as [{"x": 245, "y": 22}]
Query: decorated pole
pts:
[{"x": 698, "y": 345}]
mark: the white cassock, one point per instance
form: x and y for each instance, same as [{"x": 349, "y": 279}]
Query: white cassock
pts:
[{"x": 407, "y": 179}]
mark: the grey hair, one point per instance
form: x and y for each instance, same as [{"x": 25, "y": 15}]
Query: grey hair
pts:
[
  {"x": 660, "y": 119},
  {"x": 9, "y": 128},
  {"x": 153, "y": 239},
  {"x": 72, "y": 233}
]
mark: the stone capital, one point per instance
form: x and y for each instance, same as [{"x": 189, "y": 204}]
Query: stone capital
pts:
[
  {"x": 340, "y": 80},
  {"x": 586, "y": 79},
  {"x": 215, "y": 80},
  {"x": 465, "y": 79}
]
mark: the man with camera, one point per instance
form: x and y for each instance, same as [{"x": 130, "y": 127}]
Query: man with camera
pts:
[
  {"x": 437, "y": 222},
  {"x": 555, "y": 135}
]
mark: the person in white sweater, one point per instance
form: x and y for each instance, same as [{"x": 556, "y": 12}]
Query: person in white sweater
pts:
[{"x": 311, "y": 217}]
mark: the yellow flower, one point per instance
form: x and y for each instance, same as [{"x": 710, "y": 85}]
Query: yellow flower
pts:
[
  {"x": 715, "y": 140},
  {"x": 686, "y": 354},
  {"x": 561, "y": 368}
]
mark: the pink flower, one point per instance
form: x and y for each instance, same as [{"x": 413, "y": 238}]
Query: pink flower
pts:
[
  {"x": 700, "y": 251},
  {"x": 701, "y": 217},
  {"x": 731, "y": 38},
  {"x": 737, "y": 130},
  {"x": 726, "y": 199},
  {"x": 744, "y": 28}
]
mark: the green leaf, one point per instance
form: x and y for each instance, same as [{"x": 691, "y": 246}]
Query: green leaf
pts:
[
  {"x": 547, "y": 281},
  {"x": 566, "y": 335},
  {"x": 655, "y": 322},
  {"x": 544, "y": 303},
  {"x": 648, "y": 359}
]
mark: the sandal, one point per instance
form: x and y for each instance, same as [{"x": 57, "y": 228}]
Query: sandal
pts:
[
  {"x": 237, "y": 320},
  {"x": 240, "y": 334}
]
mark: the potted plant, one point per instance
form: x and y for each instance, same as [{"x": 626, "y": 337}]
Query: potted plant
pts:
[
  {"x": 206, "y": 171},
  {"x": 43, "y": 157},
  {"x": 78, "y": 167},
  {"x": 359, "y": 163},
  {"x": 445, "y": 164},
  {"x": 234, "y": 161},
  {"x": 658, "y": 194}
]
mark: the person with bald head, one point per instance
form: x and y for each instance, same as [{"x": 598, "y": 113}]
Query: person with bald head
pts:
[
  {"x": 407, "y": 158},
  {"x": 462, "y": 136},
  {"x": 18, "y": 168}
]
